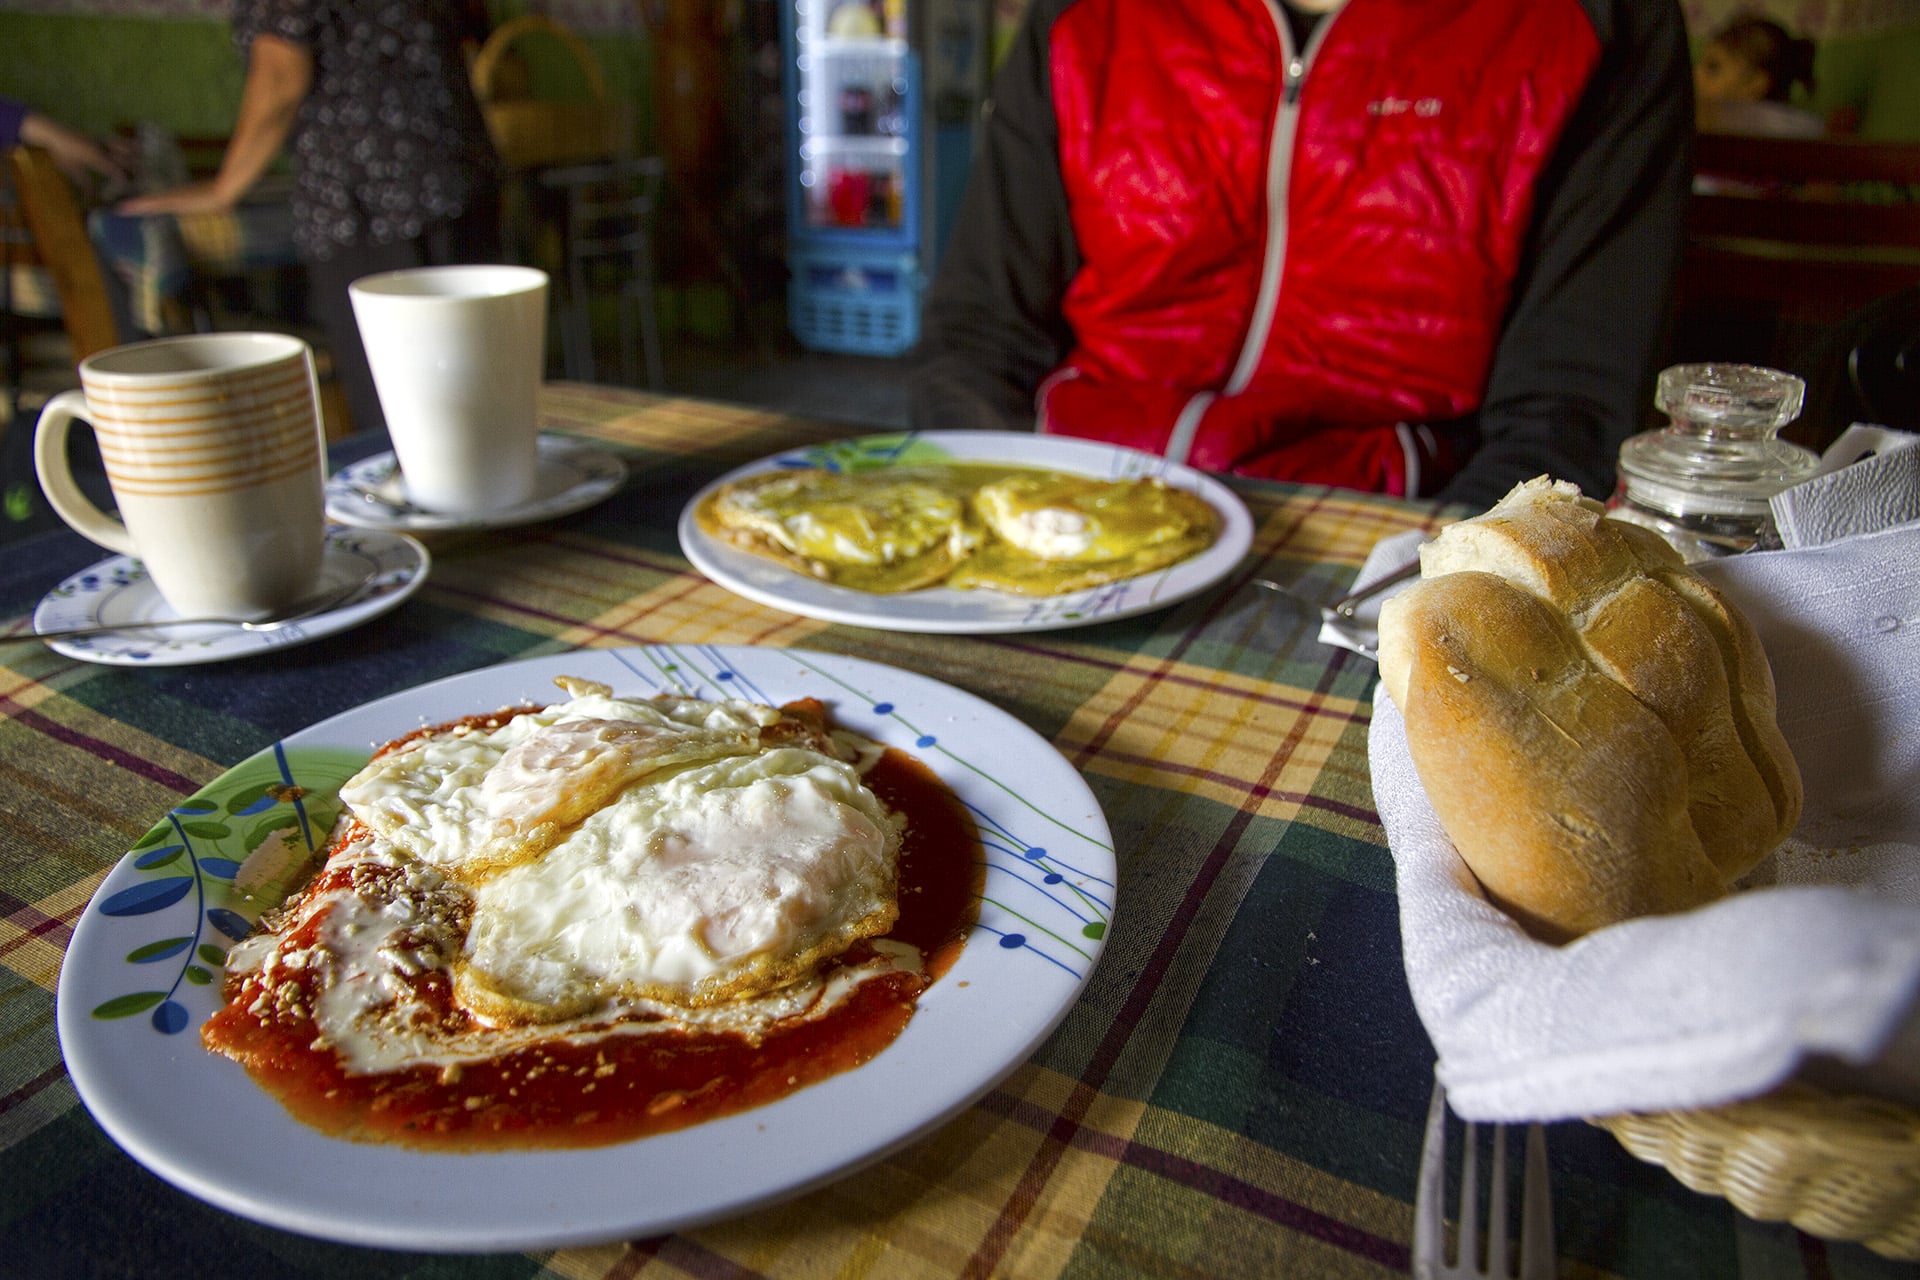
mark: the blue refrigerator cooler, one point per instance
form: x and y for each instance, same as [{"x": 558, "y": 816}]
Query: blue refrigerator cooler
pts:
[{"x": 883, "y": 98}]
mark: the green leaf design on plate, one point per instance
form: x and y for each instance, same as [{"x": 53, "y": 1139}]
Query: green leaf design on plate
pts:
[
  {"x": 283, "y": 819},
  {"x": 157, "y": 950},
  {"x": 128, "y": 1005},
  {"x": 237, "y": 846},
  {"x": 870, "y": 452}
]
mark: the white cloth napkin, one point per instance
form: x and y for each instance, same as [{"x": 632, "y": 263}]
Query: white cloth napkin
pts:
[{"x": 1819, "y": 970}]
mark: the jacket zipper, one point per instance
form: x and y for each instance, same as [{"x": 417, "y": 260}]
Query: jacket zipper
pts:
[{"x": 1279, "y": 175}]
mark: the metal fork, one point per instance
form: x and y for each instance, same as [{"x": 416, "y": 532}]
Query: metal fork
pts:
[{"x": 1429, "y": 1227}]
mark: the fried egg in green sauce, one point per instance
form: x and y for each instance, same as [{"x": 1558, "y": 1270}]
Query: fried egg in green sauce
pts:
[{"x": 972, "y": 526}]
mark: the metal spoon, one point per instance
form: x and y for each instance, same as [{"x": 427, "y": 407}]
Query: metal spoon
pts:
[
  {"x": 390, "y": 495},
  {"x": 319, "y": 602}
]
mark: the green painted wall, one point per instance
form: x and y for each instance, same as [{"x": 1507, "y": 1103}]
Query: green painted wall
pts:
[
  {"x": 97, "y": 71},
  {"x": 82, "y": 69},
  {"x": 1876, "y": 76}
]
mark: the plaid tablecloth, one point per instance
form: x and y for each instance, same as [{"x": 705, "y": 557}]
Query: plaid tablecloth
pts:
[{"x": 1239, "y": 1091}]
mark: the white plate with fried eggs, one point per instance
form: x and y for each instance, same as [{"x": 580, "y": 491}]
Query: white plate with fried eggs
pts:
[
  {"x": 141, "y": 975},
  {"x": 946, "y": 610}
]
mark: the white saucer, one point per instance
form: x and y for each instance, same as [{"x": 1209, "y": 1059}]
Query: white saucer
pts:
[
  {"x": 372, "y": 494},
  {"x": 119, "y": 593}
]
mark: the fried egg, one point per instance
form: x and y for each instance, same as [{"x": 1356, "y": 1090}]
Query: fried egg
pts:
[
  {"x": 992, "y": 526},
  {"x": 1056, "y": 532},
  {"x": 470, "y": 800},
  {"x": 887, "y": 530},
  {"x": 671, "y": 850}
]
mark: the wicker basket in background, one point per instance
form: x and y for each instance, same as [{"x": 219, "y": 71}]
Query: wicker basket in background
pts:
[
  {"x": 1841, "y": 1167},
  {"x": 530, "y": 132}
]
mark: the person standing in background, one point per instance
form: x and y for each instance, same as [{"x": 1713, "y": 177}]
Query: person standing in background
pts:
[
  {"x": 1413, "y": 247},
  {"x": 393, "y": 166}
]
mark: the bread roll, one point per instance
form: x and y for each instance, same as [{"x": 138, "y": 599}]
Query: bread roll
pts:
[{"x": 1593, "y": 723}]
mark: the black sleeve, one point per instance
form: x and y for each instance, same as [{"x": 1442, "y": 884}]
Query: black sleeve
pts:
[
  {"x": 991, "y": 327},
  {"x": 1571, "y": 377}
]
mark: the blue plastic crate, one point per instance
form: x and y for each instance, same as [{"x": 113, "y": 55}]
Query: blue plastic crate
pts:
[{"x": 856, "y": 305}]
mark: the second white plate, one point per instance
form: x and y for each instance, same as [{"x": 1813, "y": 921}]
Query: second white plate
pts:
[{"x": 944, "y": 609}]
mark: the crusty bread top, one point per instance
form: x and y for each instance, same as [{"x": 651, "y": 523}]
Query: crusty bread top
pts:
[{"x": 1593, "y": 723}]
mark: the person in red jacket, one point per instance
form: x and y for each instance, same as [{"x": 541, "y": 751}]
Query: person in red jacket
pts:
[{"x": 1420, "y": 247}]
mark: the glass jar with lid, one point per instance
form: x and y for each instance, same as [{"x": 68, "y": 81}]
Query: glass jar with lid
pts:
[{"x": 1703, "y": 481}]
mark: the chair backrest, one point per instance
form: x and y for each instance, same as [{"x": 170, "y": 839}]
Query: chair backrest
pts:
[
  {"x": 52, "y": 213},
  {"x": 1819, "y": 227}
]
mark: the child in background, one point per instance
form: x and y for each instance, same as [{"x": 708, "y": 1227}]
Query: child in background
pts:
[{"x": 1745, "y": 77}]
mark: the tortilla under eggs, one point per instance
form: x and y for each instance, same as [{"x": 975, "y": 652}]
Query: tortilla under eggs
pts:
[{"x": 891, "y": 530}]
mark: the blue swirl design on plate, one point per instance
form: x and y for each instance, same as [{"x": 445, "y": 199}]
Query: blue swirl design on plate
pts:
[
  {"x": 275, "y": 809},
  {"x": 123, "y": 573},
  {"x": 1038, "y": 900}
]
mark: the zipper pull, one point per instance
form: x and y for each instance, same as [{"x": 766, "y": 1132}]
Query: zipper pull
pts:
[{"x": 1296, "y": 72}]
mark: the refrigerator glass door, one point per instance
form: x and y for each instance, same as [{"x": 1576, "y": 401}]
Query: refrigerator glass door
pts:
[{"x": 854, "y": 117}]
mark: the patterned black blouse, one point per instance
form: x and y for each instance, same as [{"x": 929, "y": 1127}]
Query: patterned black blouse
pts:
[{"x": 390, "y": 139}]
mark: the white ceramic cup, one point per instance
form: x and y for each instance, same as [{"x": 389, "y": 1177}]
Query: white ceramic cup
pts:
[
  {"x": 213, "y": 449},
  {"x": 457, "y": 354}
]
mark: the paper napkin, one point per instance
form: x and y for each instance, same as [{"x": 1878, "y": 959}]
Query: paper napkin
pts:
[{"x": 1868, "y": 479}]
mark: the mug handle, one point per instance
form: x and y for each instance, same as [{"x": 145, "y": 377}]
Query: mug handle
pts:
[{"x": 56, "y": 476}]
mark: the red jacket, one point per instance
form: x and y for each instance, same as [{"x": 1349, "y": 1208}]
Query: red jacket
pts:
[
  {"x": 1465, "y": 217},
  {"x": 1334, "y": 254}
]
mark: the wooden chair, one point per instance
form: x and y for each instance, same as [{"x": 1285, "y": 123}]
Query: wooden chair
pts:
[
  {"x": 608, "y": 216},
  {"x": 1815, "y": 227},
  {"x": 52, "y": 213}
]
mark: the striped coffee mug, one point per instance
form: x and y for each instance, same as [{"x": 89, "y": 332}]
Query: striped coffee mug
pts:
[{"x": 212, "y": 447}]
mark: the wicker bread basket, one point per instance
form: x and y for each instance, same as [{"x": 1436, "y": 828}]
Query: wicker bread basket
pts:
[
  {"x": 529, "y": 132},
  {"x": 1841, "y": 1167}
]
